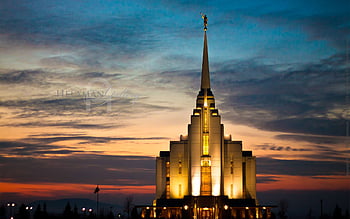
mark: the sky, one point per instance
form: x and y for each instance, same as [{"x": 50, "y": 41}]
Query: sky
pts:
[{"x": 91, "y": 91}]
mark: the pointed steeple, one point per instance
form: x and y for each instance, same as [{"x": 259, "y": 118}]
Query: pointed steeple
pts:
[{"x": 205, "y": 81}]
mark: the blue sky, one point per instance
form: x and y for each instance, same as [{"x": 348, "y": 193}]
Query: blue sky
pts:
[{"x": 278, "y": 71}]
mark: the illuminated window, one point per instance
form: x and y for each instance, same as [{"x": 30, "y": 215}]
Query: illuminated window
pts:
[
  {"x": 205, "y": 144},
  {"x": 231, "y": 167},
  {"x": 167, "y": 189},
  {"x": 167, "y": 169},
  {"x": 180, "y": 167}
]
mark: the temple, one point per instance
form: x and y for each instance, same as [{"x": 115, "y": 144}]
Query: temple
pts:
[{"x": 206, "y": 174}]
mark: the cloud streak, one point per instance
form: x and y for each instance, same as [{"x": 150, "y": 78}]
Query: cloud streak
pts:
[{"x": 131, "y": 170}]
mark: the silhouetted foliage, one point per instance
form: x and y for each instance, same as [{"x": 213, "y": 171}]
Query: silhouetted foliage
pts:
[
  {"x": 75, "y": 212},
  {"x": 23, "y": 213},
  {"x": 128, "y": 205},
  {"x": 2, "y": 212},
  {"x": 283, "y": 205},
  {"x": 68, "y": 213},
  {"x": 134, "y": 214},
  {"x": 44, "y": 213},
  {"x": 337, "y": 213},
  {"x": 38, "y": 214},
  {"x": 110, "y": 215},
  {"x": 273, "y": 215},
  {"x": 309, "y": 215}
]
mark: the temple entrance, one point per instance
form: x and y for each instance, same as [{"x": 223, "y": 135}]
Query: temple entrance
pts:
[{"x": 206, "y": 213}]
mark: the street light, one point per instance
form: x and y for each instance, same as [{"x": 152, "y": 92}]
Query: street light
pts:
[
  {"x": 29, "y": 209},
  {"x": 11, "y": 206}
]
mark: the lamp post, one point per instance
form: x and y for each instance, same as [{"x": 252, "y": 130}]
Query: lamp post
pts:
[
  {"x": 29, "y": 209},
  {"x": 83, "y": 209},
  {"x": 11, "y": 206}
]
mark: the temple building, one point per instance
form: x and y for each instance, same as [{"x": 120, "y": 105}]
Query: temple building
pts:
[{"x": 206, "y": 174}]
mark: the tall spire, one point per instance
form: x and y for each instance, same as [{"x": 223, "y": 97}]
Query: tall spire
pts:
[{"x": 205, "y": 81}]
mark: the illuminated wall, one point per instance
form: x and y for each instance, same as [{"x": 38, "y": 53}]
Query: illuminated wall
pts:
[
  {"x": 250, "y": 164},
  {"x": 215, "y": 141},
  {"x": 178, "y": 169},
  {"x": 194, "y": 139},
  {"x": 233, "y": 181},
  {"x": 161, "y": 174}
]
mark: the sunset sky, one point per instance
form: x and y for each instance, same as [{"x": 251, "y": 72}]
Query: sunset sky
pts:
[{"x": 92, "y": 90}]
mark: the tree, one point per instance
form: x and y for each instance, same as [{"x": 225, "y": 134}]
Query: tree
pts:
[
  {"x": 75, "y": 212},
  {"x": 110, "y": 215},
  {"x": 23, "y": 213},
  {"x": 128, "y": 205},
  {"x": 68, "y": 213},
  {"x": 283, "y": 205},
  {"x": 44, "y": 213},
  {"x": 2, "y": 212},
  {"x": 38, "y": 214},
  {"x": 337, "y": 212},
  {"x": 134, "y": 214}
]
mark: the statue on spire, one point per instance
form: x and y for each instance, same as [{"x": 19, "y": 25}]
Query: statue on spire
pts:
[{"x": 205, "y": 18}]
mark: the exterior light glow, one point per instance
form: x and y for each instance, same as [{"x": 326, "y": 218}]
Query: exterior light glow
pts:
[
  {"x": 164, "y": 208},
  {"x": 147, "y": 208},
  {"x": 90, "y": 209},
  {"x": 225, "y": 207},
  {"x": 186, "y": 207},
  {"x": 246, "y": 208}
]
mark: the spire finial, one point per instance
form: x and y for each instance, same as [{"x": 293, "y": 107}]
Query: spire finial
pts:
[
  {"x": 205, "y": 19},
  {"x": 205, "y": 80}
]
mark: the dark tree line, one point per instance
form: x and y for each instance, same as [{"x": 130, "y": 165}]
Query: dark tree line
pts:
[{"x": 40, "y": 212}]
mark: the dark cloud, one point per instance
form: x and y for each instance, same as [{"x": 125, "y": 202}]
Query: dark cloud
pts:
[
  {"x": 273, "y": 147},
  {"x": 89, "y": 139},
  {"x": 28, "y": 77},
  {"x": 307, "y": 98},
  {"x": 85, "y": 169},
  {"x": 312, "y": 138},
  {"x": 321, "y": 126},
  {"x": 22, "y": 148},
  {"x": 299, "y": 167},
  {"x": 42, "y": 23},
  {"x": 266, "y": 179},
  {"x": 332, "y": 28},
  {"x": 80, "y": 103},
  {"x": 335, "y": 153},
  {"x": 41, "y": 145},
  {"x": 66, "y": 124},
  {"x": 330, "y": 23}
]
